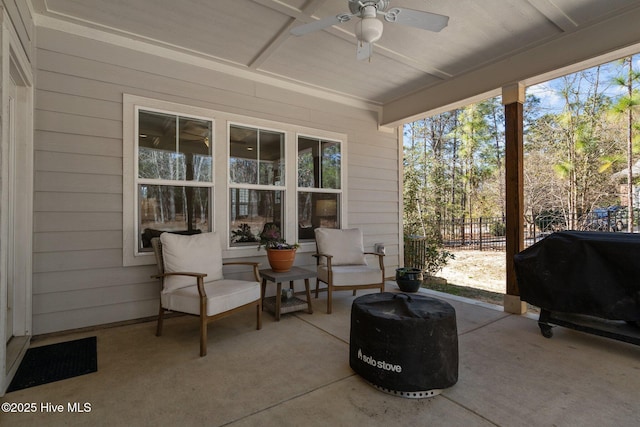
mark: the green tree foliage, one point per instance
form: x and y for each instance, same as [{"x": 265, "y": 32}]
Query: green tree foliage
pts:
[
  {"x": 454, "y": 166},
  {"x": 454, "y": 162},
  {"x": 565, "y": 150},
  {"x": 430, "y": 165},
  {"x": 626, "y": 106}
]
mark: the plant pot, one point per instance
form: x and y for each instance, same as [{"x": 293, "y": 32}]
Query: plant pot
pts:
[
  {"x": 281, "y": 260},
  {"x": 409, "y": 279}
]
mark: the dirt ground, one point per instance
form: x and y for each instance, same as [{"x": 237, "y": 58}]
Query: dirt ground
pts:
[
  {"x": 473, "y": 274},
  {"x": 479, "y": 275},
  {"x": 477, "y": 269}
]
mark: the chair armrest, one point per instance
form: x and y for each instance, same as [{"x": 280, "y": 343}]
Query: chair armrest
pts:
[
  {"x": 380, "y": 259},
  {"x": 327, "y": 256},
  {"x": 179, "y": 273},
  {"x": 374, "y": 253},
  {"x": 199, "y": 279},
  {"x": 255, "y": 265}
]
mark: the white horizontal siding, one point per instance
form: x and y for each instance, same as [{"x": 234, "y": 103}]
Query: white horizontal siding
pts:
[
  {"x": 67, "y": 241},
  {"x": 77, "y": 202},
  {"x": 73, "y": 85},
  {"x": 374, "y": 206},
  {"x": 85, "y": 183},
  {"x": 366, "y": 183},
  {"x": 77, "y": 125},
  {"x": 94, "y": 315},
  {"x": 78, "y": 144},
  {"x": 79, "y": 299},
  {"x": 47, "y": 100},
  {"x": 76, "y": 260},
  {"x": 76, "y": 221},
  {"x": 64, "y": 281},
  {"x": 370, "y": 195},
  {"x": 373, "y": 230},
  {"x": 79, "y": 279},
  {"x": 49, "y": 161}
]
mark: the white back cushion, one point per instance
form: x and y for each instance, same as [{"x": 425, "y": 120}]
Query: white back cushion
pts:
[
  {"x": 200, "y": 253},
  {"x": 346, "y": 245}
]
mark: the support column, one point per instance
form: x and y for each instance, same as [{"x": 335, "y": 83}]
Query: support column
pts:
[{"x": 513, "y": 99}]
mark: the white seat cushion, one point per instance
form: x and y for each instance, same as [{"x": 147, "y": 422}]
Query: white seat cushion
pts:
[
  {"x": 199, "y": 253},
  {"x": 222, "y": 295},
  {"x": 347, "y": 275},
  {"x": 346, "y": 246}
]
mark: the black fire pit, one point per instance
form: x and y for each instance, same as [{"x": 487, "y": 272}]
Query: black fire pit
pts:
[{"x": 405, "y": 345}]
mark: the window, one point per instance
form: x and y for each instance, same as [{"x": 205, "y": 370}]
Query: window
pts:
[
  {"x": 319, "y": 185},
  {"x": 265, "y": 172},
  {"x": 256, "y": 182},
  {"x": 174, "y": 175},
  {"x": 168, "y": 173}
]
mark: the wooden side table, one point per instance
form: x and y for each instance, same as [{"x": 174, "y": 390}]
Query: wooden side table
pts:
[{"x": 275, "y": 304}]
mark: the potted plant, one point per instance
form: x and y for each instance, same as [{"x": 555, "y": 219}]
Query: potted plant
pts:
[
  {"x": 243, "y": 234},
  {"x": 280, "y": 254},
  {"x": 409, "y": 279}
]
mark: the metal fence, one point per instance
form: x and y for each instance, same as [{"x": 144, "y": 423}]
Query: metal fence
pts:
[{"x": 489, "y": 233}]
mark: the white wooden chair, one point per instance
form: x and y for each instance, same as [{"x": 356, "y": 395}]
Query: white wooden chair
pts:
[
  {"x": 190, "y": 269},
  {"x": 342, "y": 263}
]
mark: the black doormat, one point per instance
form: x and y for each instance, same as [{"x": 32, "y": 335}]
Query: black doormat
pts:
[{"x": 55, "y": 362}]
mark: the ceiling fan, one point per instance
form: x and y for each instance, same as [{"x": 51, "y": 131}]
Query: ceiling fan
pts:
[{"x": 369, "y": 27}]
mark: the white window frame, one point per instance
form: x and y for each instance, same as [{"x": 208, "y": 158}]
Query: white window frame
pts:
[
  {"x": 130, "y": 182},
  {"x": 282, "y": 187},
  {"x": 340, "y": 191},
  {"x": 290, "y": 187},
  {"x": 220, "y": 194}
]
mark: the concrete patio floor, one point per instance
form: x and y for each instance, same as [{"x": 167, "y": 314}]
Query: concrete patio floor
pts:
[{"x": 296, "y": 373}]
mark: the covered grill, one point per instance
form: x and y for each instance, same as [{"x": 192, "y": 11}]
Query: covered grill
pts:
[
  {"x": 589, "y": 281},
  {"x": 406, "y": 345}
]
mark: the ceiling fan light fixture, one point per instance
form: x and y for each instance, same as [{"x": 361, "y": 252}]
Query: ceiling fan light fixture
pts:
[{"x": 369, "y": 30}]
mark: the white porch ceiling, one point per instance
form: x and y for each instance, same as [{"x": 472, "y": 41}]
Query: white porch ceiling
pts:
[{"x": 487, "y": 44}]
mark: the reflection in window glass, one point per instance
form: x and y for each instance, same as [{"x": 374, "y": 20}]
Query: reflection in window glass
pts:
[
  {"x": 330, "y": 164},
  {"x": 243, "y": 161},
  {"x": 271, "y": 158},
  {"x": 175, "y": 148},
  {"x": 256, "y": 156},
  {"x": 319, "y": 163},
  {"x": 319, "y": 184},
  {"x": 317, "y": 210},
  {"x": 171, "y": 208},
  {"x": 250, "y": 210},
  {"x": 307, "y": 170},
  {"x": 171, "y": 147}
]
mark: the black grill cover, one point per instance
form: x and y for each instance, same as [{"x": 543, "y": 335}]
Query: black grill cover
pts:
[
  {"x": 581, "y": 272},
  {"x": 404, "y": 343}
]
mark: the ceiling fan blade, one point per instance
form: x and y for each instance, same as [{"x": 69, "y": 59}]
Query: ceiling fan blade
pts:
[
  {"x": 320, "y": 24},
  {"x": 364, "y": 51},
  {"x": 417, "y": 18}
]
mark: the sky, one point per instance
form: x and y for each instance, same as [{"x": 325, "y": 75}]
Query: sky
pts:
[{"x": 552, "y": 101}]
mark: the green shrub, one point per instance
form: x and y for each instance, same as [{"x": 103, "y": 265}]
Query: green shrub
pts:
[
  {"x": 425, "y": 254},
  {"x": 498, "y": 228}
]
